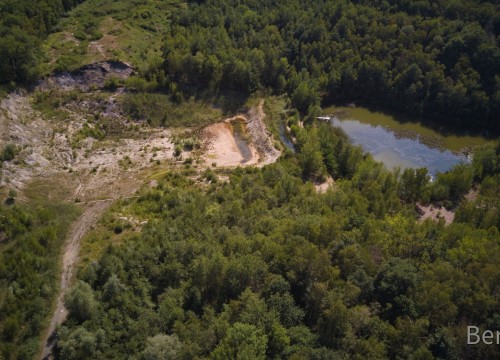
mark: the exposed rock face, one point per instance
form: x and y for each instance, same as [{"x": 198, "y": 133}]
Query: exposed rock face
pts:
[
  {"x": 60, "y": 147},
  {"x": 93, "y": 75},
  {"x": 261, "y": 137}
]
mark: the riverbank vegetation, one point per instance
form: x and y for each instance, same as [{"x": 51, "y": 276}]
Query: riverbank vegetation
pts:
[{"x": 262, "y": 266}]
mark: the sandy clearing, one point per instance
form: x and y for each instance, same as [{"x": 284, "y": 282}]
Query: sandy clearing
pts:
[
  {"x": 323, "y": 187},
  {"x": 433, "y": 213},
  {"x": 222, "y": 148},
  {"x": 226, "y": 148}
]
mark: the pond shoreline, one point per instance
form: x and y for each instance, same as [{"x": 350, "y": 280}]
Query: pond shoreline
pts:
[
  {"x": 404, "y": 145},
  {"x": 444, "y": 129},
  {"x": 459, "y": 142}
]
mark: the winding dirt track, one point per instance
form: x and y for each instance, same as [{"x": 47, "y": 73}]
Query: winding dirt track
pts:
[{"x": 83, "y": 224}]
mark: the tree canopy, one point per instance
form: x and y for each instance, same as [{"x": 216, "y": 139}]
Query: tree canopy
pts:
[{"x": 437, "y": 59}]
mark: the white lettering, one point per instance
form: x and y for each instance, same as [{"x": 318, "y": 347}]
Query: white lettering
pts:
[
  {"x": 475, "y": 333},
  {"x": 488, "y": 335}
]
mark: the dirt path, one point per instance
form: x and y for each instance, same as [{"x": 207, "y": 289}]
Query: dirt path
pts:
[{"x": 83, "y": 224}]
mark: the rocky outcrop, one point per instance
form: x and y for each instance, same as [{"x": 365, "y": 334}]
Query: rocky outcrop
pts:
[{"x": 88, "y": 76}]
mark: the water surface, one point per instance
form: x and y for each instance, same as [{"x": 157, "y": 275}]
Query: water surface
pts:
[
  {"x": 284, "y": 138},
  {"x": 406, "y": 145}
]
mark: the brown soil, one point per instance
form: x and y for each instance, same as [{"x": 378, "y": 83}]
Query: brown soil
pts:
[{"x": 222, "y": 148}]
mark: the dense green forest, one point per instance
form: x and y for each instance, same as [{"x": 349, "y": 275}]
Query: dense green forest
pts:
[
  {"x": 31, "y": 239},
  {"x": 435, "y": 59},
  {"x": 438, "y": 59},
  {"x": 23, "y": 25},
  {"x": 255, "y": 263},
  {"x": 262, "y": 266}
]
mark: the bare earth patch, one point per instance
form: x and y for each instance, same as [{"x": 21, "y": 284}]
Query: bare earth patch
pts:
[
  {"x": 222, "y": 149},
  {"x": 323, "y": 187},
  {"x": 435, "y": 214},
  {"x": 227, "y": 148}
]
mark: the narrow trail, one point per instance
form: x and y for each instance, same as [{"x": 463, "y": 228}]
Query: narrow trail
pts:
[{"x": 71, "y": 249}]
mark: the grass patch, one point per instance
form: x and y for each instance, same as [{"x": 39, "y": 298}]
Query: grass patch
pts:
[
  {"x": 53, "y": 189},
  {"x": 112, "y": 229},
  {"x": 87, "y": 130},
  {"x": 97, "y": 30},
  {"x": 50, "y": 103},
  {"x": 159, "y": 110}
]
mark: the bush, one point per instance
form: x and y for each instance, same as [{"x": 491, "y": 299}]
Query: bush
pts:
[
  {"x": 80, "y": 302},
  {"x": 9, "y": 152},
  {"x": 111, "y": 83}
]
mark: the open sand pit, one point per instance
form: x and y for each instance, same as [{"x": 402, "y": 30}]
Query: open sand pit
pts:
[
  {"x": 225, "y": 149},
  {"x": 242, "y": 140}
]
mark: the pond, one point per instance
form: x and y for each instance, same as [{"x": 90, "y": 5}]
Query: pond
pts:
[{"x": 404, "y": 144}]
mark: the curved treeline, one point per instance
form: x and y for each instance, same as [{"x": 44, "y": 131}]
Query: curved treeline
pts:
[
  {"x": 437, "y": 59},
  {"x": 264, "y": 267},
  {"x": 23, "y": 23}
]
